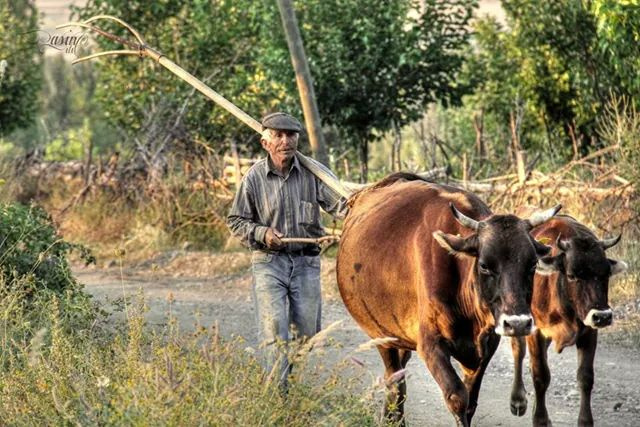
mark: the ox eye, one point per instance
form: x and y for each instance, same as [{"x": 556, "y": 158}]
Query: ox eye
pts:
[
  {"x": 484, "y": 268},
  {"x": 571, "y": 277}
]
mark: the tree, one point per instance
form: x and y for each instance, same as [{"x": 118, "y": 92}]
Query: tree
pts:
[
  {"x": 618, "y": 26},
  {"x": 20, "y": 65},
  {"x": 376, "y": 65},
  {"x": 492, "y": 69},
  {"x": 217, "y": 41},
  {"x": 563, "y": 60},
  {"x": 560, "y": 68}
]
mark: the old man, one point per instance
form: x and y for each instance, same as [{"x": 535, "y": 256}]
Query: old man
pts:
[{"x": 277, "y": 198}]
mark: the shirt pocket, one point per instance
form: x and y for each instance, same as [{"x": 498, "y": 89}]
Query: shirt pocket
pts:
[{"x": 307, "y": 213}]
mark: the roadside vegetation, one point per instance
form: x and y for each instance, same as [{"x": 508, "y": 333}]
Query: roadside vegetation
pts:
[{"x": 63, "y": 360}]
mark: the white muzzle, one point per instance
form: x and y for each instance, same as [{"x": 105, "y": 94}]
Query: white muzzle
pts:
[
  {"x": 515, "y": 325},
  {"x": 598, "y": 318}
]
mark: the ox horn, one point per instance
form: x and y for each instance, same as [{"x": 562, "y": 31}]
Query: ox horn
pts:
[
  {"x": 465, "y": 220},
  {"x": 608, "y": 243},
  {"x": 541, "y": 217},
  {"x": 563, "y": 245}
]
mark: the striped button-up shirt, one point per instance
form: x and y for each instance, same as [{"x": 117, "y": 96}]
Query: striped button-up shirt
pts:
[{"x": 288, "y": 203}]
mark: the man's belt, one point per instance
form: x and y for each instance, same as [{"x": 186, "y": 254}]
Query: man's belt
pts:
[{"x": 307, "y": 251}]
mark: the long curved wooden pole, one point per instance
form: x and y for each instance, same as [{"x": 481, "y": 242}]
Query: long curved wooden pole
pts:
[{"x": 142, "y": 49}]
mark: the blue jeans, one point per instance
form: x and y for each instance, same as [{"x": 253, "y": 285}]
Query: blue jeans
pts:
[{"x": 286, "y": 291}]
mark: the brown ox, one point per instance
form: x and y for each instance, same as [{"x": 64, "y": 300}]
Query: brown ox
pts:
[
  {"x": 398, "y": 278},
  {"x": 570, "y": 302}
]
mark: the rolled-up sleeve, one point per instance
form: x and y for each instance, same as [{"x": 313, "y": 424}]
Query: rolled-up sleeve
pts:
[
  {"x": 328, "y": 199},
  {"x": 241, "y": 218}
]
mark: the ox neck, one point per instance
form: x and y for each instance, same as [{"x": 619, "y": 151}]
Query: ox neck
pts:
[{"x": 559, "y": 288}]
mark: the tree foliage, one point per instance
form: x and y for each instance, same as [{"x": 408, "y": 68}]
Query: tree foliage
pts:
[
  {"x": 214, "y": 40},
  {"x": 560, "y": 62},
  {"x": 376, "y": 65},
  {"x": 20, "y": 65},
  {"x": 618, "y": 27},
  {"x": 31, "y": 249},
  {"x": 561, "y": 69}
]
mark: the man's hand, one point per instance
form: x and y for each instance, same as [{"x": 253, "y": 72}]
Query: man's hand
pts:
[{"x": 272, "y": 239}]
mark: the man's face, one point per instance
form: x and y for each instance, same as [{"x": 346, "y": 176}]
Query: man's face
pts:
[{"x": 280, "y": 144}]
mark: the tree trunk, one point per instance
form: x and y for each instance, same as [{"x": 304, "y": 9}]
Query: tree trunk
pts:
[
  {"x": 571, "y": 130},
  {"x": 465, "y": 171},
  {"x": 392, "y": 157},
  {"x": 88, "y": 160},
  {"x": 364, "y": 156},
  {"x": 237, "y": 172},
  {"x": 521, "y": 165},
  {"x": 547, "y": 130},
  {"x": 397, "y": 147},
  {"x": 347, "y": 169},
  {"x": 514, "y": 123},
  {"x": 303, "y": 79},
  {"x": 478, "y": 125}
]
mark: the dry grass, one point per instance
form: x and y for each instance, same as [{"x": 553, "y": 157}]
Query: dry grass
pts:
[
  {"x": 131, "y": 213},
  {"x": 59, "y": 370},
  {"x": 328, "y": 277},
  {"x": 205, "y": 264},
  {"x": 624, "y": 331},
  {"x": 626, "y": 286},
  {"x": 99, "y": 222}
]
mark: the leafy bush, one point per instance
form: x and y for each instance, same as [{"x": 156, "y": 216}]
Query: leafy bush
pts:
[
  {"x": 62, "y": 361},
  {"x": 31, "y": 249},
  {"x": 174, "y": 213},
  {"x": 71, "y": 145},
  {"x": 189, "y": 214},
  {"x": 131, "y": 376}
]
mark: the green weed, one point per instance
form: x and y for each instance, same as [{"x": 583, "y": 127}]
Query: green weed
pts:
[{"x": 56, "y": 371}]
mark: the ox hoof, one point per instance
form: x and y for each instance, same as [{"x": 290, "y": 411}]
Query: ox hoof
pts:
[
  {"x": 393, "y": 416},
  {"x": 542, "y": 423},
  {"x": 586, "y": 422},
  {"x": 519, "y": 406}
]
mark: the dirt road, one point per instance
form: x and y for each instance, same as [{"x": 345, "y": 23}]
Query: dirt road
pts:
[{"x": 218, "y": 287}]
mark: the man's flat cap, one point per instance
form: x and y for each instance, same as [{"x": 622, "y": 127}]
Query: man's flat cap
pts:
[{"x": 281, "y": 121}]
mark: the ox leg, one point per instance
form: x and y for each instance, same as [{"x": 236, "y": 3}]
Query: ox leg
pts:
[
  {"x": 394, "y": 360},
  {"x": 405, "y": 355},
  {"x": 586, "y": 345},
  {"x": 538, "y": 346},
  {"x": 518, "y": 393},
  {"x": 473, "y": 379},
  {"x": 438, "y": 361}
]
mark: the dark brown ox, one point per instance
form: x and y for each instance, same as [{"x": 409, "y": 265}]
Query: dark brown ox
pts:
[
  {"x": 413, "y": 267},
  {"x": 570, "y": 303}
]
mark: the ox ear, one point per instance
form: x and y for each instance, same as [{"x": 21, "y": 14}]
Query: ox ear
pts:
[
  {"x": 541, "y": 249},
  {"x": 618, "y": 267},
  {"x": 457, "y": 245},
  {"x": 550, "y": 264}
]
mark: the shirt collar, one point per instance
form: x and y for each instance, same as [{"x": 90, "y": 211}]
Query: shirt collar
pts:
[{"x": 272, "y": 169}]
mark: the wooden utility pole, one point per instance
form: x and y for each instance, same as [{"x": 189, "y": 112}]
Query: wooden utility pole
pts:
[{"x": 303, "y": 79}]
